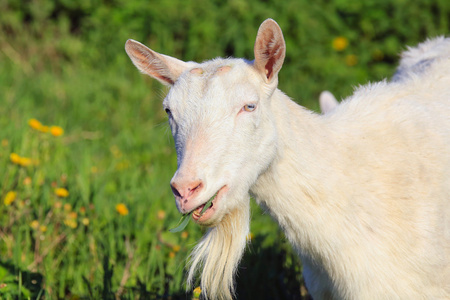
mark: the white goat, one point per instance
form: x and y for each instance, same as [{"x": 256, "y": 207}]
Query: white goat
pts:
[{"x": 363, "y": 193}]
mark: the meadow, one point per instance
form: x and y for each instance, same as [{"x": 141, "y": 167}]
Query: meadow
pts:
[{"x": 86, "y": 154}]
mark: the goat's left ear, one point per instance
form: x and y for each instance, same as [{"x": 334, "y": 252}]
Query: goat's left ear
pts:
[{"x": 270, "y": 49}]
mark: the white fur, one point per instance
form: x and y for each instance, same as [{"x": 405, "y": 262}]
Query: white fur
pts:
[
  {"x": 416, "y": 60},
  {"x": 362, "y": 193},
  {"x": 327, "y": 102}
]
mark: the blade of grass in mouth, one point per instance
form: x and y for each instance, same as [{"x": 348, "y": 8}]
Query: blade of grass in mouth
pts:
[{"x": 186, "y": 217}]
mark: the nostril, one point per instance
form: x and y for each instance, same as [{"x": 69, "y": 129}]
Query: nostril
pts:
[
  {"x": 174, "y": 190},
  {"x": 185, "y": 190}
]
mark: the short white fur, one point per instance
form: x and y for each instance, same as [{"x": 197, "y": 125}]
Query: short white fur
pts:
[{"x": 362, "y": 193}]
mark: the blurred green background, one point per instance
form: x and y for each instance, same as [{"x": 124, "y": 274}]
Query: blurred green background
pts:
[{"x": 84, "y": 214}]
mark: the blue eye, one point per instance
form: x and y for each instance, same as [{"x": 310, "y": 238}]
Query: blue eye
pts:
[{"x": 249, "y": 107}]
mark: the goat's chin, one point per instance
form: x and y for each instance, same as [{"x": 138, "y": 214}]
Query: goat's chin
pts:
[{"x": 220, "y": 250}]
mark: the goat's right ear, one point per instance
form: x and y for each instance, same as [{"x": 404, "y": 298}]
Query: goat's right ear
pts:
[
  {"x": 270, "y": 49},
  {"x": 164, "y": 68}
]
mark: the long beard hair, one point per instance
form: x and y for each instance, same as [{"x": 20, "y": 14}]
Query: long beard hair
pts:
[{"x": 219, "y": 253}]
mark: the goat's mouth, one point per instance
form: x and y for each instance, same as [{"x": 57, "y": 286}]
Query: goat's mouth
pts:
[{"x": 199, "y": 215}]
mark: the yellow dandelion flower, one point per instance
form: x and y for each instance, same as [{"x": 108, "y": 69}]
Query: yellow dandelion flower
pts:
[
  {"x": 27, "y": 180},
  {"x": 172, "y": 254},
  {"x": 161, "y": 215},
  {"x": 56, "y": 131},
  {"x": 43, "y": 228},
  {"x": 351, "y": 60},
  {"x": 184, "y": 235},
  {"x": 85, "y": 221},
  {"x": 67, "y": 207},
  {"x": 62, "y": 192},
  {"x": 9, "y": 198},
  {"x": 25, "y": 161},
  {"x": 122, "y": 209},
  {"x": 35, "y": 124},
  {"x": 340, "y": 43},
  {"x": 176, "y": 248},
  {"x": 34, "y": 224},
  {"x": 15, "y": 158},
  {"x": 72, "y": 223},
  {"x": 72, "y": 215},
  {"x": 197, "y": 292}
]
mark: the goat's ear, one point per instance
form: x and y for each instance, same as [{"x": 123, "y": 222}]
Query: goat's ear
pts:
[
  {"x": 164, "y": 68},
  {"x": 327, "y": 101},
  {"x": 270, "y": 49}
]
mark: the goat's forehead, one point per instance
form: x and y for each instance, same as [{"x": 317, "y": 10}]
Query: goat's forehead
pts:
[{"x": 213, "y": 81}]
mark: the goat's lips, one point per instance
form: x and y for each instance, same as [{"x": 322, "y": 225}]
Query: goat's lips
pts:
[{"x": 197, "y": 213}]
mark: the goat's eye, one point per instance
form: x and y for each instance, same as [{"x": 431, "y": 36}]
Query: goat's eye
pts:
[
  {"x": 168, "y": 112},
  {"x": 249, "y": 107}
]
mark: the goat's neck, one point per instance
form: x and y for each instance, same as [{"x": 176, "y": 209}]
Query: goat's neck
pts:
[{"x": 298, "y": 186}]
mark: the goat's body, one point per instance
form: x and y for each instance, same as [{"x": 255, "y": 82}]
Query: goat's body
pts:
[{"x": 363, "y": 193}]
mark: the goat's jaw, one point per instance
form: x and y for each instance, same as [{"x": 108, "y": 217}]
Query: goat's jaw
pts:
[{"x": 208, "y": 217}]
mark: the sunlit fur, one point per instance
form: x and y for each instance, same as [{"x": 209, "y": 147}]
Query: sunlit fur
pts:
[
  {"x": 362, "y": 192},
  {"x": 219, "y": 252},
  {"x": 415, "y": 60}
]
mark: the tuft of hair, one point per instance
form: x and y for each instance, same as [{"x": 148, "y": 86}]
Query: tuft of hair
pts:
[
  {"x": 327, "y": 102},
  {"x": 219, "y": 253},
  {"x": 416, "y": 60}
]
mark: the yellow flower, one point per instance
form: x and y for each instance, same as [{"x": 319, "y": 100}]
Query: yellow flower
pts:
[
  {"x": 62, "y": 192},
  {"x": 25, "y": 161},
  {"x": 9, "y": 197},
  {"x": 56, "y": 131},
  {"x": 72, "y": 223},
  {"x": 67, "y": 207},
  {"x": 176, "y": 248},
  {"x": 5, "y": 143},
  {"x": 184, "y": 235},
  {"x": 161, "y": 215},
  {"x": 35, "y": 124},
  {"x": 34, "y": 224},
  {"x": 15, "y": 158},
  {"x": 122, "y": 209},
  {"x": 351, "y": 60},
  {"x": 340, "y": 43},
  {"x": 172, "y": 254},
  {"x": 85, "y": 221},
  {"x": 72, "y": 215},
  {"x": 27, "y": 180},
  {"x": 197, "y": 292},
  {"x": 43, "y": 228}
]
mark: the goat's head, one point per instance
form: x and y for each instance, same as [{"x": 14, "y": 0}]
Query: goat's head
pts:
[
  {"x": 219, "y": 113},
  {"x": 225, "y": 137}
]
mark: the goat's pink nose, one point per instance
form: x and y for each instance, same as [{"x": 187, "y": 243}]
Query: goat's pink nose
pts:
[{"x": 184, "y": 191}]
